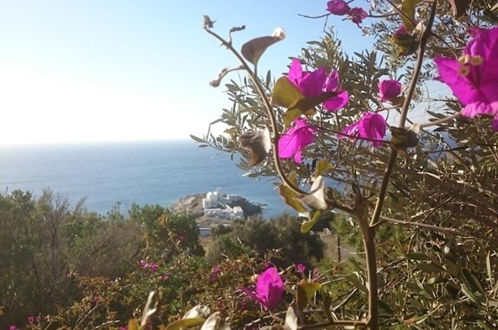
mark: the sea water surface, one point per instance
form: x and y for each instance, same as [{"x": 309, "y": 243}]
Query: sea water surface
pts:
[{"x": 111, "y": 174}]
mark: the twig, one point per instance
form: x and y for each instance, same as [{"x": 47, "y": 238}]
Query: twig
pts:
[
  {"x": 440, "y": 121},
  {"x": 333, "y": 323}
]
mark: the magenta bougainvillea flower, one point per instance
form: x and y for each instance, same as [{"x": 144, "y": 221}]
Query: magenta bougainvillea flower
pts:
[
  {"x": 215, "y": 273},
  {"x": 370, "y": 126},
  {"x": 389, "y": 89},
  {"x": 300, "y": 268},
  {"x": 401, "y": 31},
  {"x": 357, "y": 15},
  {"x": 317, "y": 82},
  {"x": 338, "y": 7},
  {"x": 297, "y": 137},
  {"x": 473, "y": 78},
  {"x": 269, "y": 289}
]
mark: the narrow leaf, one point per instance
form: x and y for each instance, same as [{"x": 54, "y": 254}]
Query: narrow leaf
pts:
[
  {"x": 489, "y": 269},
  {"x": 322, "y": 166},
  {"x": 184, "y": 323},
  {"x": 408, "y": 8},
  {"x": 290, "y": 115},
  {"x": 290, "y": 197},
  {"x": 313, "y": 218}
]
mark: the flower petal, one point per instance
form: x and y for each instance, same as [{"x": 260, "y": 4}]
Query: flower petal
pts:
[
  {"x": 338, "y": 7},
  {"x": 337, "y": 102},
  {"x": 295, "y": 72}
]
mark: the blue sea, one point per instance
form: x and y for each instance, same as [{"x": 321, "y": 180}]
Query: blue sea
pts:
[{"x": 106, "y": 174}]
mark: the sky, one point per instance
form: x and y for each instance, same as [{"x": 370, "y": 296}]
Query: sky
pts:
[{"x": 123, "y": 70}]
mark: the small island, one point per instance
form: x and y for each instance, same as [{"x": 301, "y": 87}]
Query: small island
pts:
[{"x": 216, "y": 208}]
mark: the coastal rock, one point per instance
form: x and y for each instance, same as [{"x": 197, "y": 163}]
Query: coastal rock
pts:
[{"x": 193, "y": 204}]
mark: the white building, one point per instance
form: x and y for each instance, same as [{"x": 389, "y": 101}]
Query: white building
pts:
[{"x": 215, "y": 204}]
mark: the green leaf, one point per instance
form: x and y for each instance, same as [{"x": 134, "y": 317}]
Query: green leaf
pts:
[
  {"x": 285, "y": 93},
  {"x": 184, "y": 323},
  {"x": 408, "y": 8},
  {"x": 429, "y": 267},
  {"x": 417, "y": 256},
  {"x": 313, "y": 218},
  {"x": 133, "y": 324},
  {"x": 305, "y": 292},
  {"x": 468, "y": 292},
  {"x": 253, "y": 49},
  {"x": 289, "y": 196},
  {"x": 452, "y": 268},
  {"x": 290, "y": 115},
  {"x": 322, "y": 166}
]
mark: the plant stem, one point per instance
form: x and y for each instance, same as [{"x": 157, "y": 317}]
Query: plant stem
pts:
[
  {"x": 404, "y": 113},
  {"x": 440, "y": 121},
  {"x": 368, "y": 231}
]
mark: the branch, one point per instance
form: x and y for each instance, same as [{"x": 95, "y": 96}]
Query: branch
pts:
[{"x": 404, "y": 112}]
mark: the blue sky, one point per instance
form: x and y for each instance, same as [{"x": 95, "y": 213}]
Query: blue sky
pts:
[{"x": 102, "y": 70}]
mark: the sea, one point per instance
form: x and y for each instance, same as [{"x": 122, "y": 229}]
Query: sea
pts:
[{"x": 115, "y": 175}]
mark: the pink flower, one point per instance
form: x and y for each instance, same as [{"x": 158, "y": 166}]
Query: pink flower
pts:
[
  {"x": 96, "y": 298},
  {"x": 338, "y": 7},
  {"x": 214, "y": 274},
  {"x": 300, "y": 268},
  {"x": 269, "y": 289},
  {"x": 297, "y": 137},
  {"x": 473, "y": 78},
  {"x": 13, "y": 327},
  {"x": 318, "y": 82},
  {"x": 165, "y": 276},
  {"x": 357, "y": 15},
  {"x": 153, "y": 266},
  {"x": 32, "y": 319},
  {"x": 142, "y": 264},
  {"x": 389, "y": 89},
  {"x": 401, "y": 31},
  {"x": 370, "y": 126}
]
